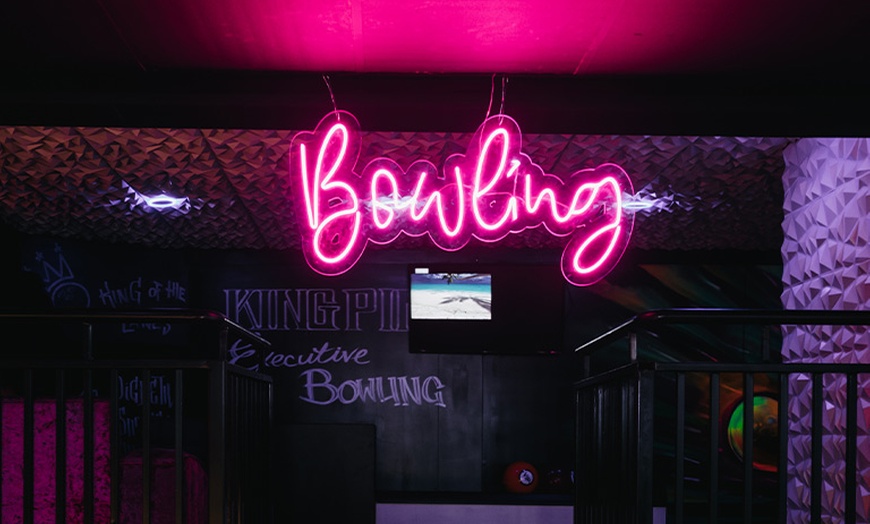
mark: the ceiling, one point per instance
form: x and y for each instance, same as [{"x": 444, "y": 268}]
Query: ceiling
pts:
[
  {"x": 97, "y": 95},
  {"x": 702, "y": 193},
  {"x": 570, "y": 37},
  {"x": 596, "y": 66}
]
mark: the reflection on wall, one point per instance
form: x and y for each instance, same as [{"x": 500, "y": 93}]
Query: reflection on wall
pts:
[
  {"x": 633, "y": 289},
  {"x": 765, "y": 429}
]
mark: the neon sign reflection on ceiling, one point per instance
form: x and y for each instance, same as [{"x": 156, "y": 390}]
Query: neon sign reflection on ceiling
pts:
[{"x": 491, "y": 191}]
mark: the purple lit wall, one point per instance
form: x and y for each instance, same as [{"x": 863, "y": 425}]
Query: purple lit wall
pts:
[{"x": 826, "y": 265}]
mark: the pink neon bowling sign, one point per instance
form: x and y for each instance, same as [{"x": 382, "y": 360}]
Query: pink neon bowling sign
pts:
[{"x": 491, "y": 191}]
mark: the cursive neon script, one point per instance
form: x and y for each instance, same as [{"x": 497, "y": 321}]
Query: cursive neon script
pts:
[{"x": 491, "y": 191}]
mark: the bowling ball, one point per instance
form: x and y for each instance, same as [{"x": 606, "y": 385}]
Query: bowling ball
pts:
[{"x": 520, "y": 477}]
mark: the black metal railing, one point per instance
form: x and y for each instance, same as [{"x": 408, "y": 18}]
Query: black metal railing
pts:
[
  {"x": 139, "y": 403},
  {"x": 653, "y": 446}
]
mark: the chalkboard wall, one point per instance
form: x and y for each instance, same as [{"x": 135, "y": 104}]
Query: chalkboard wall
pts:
[{"x": 339, "y": 355}]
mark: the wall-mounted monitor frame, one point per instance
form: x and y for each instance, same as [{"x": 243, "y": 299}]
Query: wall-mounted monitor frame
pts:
[{"x": 513, "y": 309}]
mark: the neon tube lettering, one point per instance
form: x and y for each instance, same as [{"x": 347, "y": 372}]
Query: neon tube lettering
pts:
[{"x": 487, "y": 193}]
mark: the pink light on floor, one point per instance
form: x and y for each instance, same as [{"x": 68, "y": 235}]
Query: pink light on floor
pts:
[{"x": 489, "y": 192}]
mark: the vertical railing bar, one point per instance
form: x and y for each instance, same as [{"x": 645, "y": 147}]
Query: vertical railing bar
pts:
[
  {"x": 246, "y": 408},
  {"x": 579, "y": 454},
  {"x": 27, "y": 475},
  {"x": 851, "y": 446},
  {"x": 816, "y": 467},
  {"x": 60, "y": 448},
  {"x": 88, "y": 491},
  {"x": 240, "y": 429},
  {"x": 114, "y": 446},
  {"x": 216, "y": 437},
  {"x": 250, "y": 429},
  {"x": 2, "y": 418},
  {"x": 244, "y": 450},
  {"x": 261, "y": 436},
  {"x": 632, "y": 346},
  {"x": 250, "y": 408},
  {"x": 271, "y": 441},
  {"x": 241, "y": 452},
  {"x": 645, "y": 450},
  {"x": 146, "y": 446},
  {"x": 88, "y": 418},
  {"x": 713, "y": 485},
  {"x": 748, "y": 437},
  {"x": 179, "y": 452},
  {"x": 782, "y": 464},
  {"x": 230, "y": 471},
  {"x": 680, "y": 450},
  {"x": 600, "y": 409},
  {"x": 258, "y": 436}
]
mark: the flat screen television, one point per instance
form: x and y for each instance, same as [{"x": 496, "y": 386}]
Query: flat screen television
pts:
[
  {"x": 450, "y": 296},
  {"x": 488, "y": 309}
]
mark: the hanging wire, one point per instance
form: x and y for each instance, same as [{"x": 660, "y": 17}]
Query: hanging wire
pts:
[
  {"x": 491, "y": 96},
  {"x": 504, "y": 81},
  {"x": 492, "y": 99},
  {"x": 331, "y": 96}
]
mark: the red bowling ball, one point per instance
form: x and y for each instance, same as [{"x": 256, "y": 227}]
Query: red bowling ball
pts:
[{"x": 520, "y": 477}]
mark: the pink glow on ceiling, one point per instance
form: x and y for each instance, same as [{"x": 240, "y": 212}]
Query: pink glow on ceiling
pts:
[{"x": 511, "y": 36}]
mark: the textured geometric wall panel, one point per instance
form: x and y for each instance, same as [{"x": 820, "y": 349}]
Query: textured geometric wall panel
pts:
[
  {"x": 705, "y": 192},
  {"x": 826, "y": 265}
]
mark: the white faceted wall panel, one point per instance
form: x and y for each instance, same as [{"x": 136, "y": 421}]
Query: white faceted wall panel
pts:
[{"x": 826, "y": 265}]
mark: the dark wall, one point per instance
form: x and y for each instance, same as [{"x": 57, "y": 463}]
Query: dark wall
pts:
[
  {"x": 339, "y": 355},
  {"x": 443, "y": 422}
]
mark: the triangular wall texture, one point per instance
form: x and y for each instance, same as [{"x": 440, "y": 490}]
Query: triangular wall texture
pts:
[
  {"x": 826, "y": 265},
  {"x": 82, "y": 182}
]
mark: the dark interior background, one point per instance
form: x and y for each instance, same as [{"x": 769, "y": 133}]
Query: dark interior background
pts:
[
  {"x": 733, "y": 73},
  {"x": 473, "y": 413}
]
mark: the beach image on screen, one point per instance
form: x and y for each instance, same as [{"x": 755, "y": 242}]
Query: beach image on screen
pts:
[{"x": 451, "y": 296}]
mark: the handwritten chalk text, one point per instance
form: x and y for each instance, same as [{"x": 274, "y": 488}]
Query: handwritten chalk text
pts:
[
  {"x": 318, "y": 309},
  {"x": 242, "y": 354},
  {"x": 399, "y": 391}
]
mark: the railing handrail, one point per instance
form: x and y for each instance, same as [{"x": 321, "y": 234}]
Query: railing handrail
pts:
[
  {"x": 157, "y": 314},
  {"x": 791, "y": 368},
  {"x": 647, "y": 321}
]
